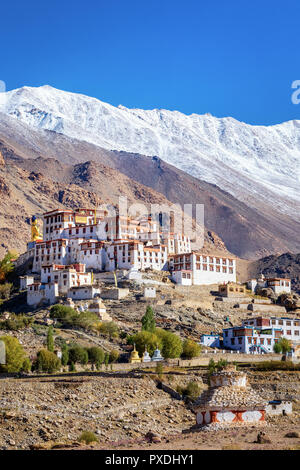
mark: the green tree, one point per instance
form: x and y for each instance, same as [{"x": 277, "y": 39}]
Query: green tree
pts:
[
  {"x": 47, "y": 361},
  {"x": 148, "y": 320},
  {"x": 77, "y": 354},
  {"x": 64, "y": 354},
  {"x": 15, "y": 355},
  {"x": 113, "y": 355},
  {"x": 144, "y": 339},
  {"x": 159, "y": 369},
  {"x": 6, "y": 265},
  {"x": 50, "y": 339},
  {"x": 109, "y": 329},
  {"x": 282, "y": 346},
  {"x": 171, "y": 343},
  {"x": 190, "y": 349},
  {"x": 96, "y": 355},
  {"x": 106, "y": 360},
  {"x": 5, "y": 290}
]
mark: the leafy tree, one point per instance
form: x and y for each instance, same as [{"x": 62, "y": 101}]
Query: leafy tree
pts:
[
  {"x": 148, "y": 320},
  {"x": 282, "y": 346},
  {"x": 6, "y": 265},
  {"x": 113, "y": 355},
  {"x": 15, "y": 355},
  {"x": 171, "y": 343},
  {"x": 47, "y": 361},
  {"x": 106, "y": 359},
  {"x": 77, "y": 354},
  {"x": 5, "y": 290},
  {"x": 109, "y": 329},
  {"x": 96, "y": 355},
  {"x": 64, "y": 354},
  {"x": 50, "y": 339},
  {"x": 144, "y": 339},
  {"x": 190, "y": 349}
]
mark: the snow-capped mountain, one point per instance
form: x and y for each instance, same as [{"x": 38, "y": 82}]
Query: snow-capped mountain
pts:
[{"x": 253, "y": 163}]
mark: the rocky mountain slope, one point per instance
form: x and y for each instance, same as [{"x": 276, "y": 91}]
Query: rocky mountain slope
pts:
[
  {"x": 24, "y": 193},
  {"x": 247, "y": 232},
  {"x": 286, "y": 265},
  {"x": 256, "y": 164}
]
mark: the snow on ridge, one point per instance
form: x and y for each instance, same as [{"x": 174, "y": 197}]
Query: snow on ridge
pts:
[{"x": 223, "y": 151}]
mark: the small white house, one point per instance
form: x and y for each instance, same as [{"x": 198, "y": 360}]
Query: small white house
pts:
[
  {"x": 212, "y": 340},
  {"x": 150, "y": 292},
  {"x": 83, "y": 292},
  {"x": 279, "y": 407},
  {"x": 25, "y": 281},
  {"x": 42, "y": 294}
]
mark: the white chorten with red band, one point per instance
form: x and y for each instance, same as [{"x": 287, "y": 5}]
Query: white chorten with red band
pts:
[{"x": 229, "y": 400}]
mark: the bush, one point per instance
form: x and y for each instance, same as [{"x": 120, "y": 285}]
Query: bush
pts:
[
  {"x": 190, "y": 349},
  {"x": 114, "y": 355},
  {"x": 192, "y": 390},
  {"x": 171, "y": 343},
  {"x": 64, "y": 354},
  {"x": 16, "y": 323},
  {"x": 5, "y": 290},
  {"x": 67, "y": 316},
  {"x": 145, "y": 339},
  {"x": 50, "y": 339},
  {"x": 109, "y": 329},
  {"x": 47, "y": 361},
  {"x": 148, "y": 321},
  {"x": 26, "y": 367},
  {"x": 77, "y": 354},
  {"x": 96, "y": 355},
  {"x": 88, "y": 437},
  {"x": 16, "y": 359}
]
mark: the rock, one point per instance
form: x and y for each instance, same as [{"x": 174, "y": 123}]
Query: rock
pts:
[
  {"x": 262, "y": 438},
  {"x": 292, "y": 434}
]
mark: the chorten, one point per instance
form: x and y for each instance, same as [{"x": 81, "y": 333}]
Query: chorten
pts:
[
  {"x": 229, "y": 400},
  {"x": 98, "y": 307},
  {"x": 146, "y": 356},
  {"x": 157, "y": 356},
  {"x": 134, "y": 356}
]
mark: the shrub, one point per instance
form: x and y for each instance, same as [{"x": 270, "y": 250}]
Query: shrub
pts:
[
  {"x": 109, "y": 329},
  {"x": 96, "y": 355},
  {"x": 64, "y": 354},
  {"x": 145, "y": 339},
  {"x": 190, "y": 349},
  {"x": 26, "y": 367},
  {"x": 88, "y": 437},
  {"x": 67, "y": 316},
  {"x": 192, "y": 390},
  {"x": 171, "y": 343},
  {"x": 15, "y": 355},
  {"x": 114, "y": 355},
  {"x": 16, "y": 322},
  {"x": 148, "y": 321},
  {"x": 78, "y": 354},
  {"x": 50, "y": 339},
  {"x": 5, "y": 290},
  {"x": 47, "y": 361}
]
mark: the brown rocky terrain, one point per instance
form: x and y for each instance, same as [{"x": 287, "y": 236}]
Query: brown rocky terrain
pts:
[
  {"x": 247, "y": 232},
  {"x": 28, "y": 192},
  {"x": 122, "y": 408}
]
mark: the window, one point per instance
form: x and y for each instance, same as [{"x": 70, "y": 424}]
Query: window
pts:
[{"x": 232, "y": 341}]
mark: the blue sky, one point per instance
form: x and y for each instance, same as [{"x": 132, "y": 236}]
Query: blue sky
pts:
[{"x": 229, "y": 58}]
